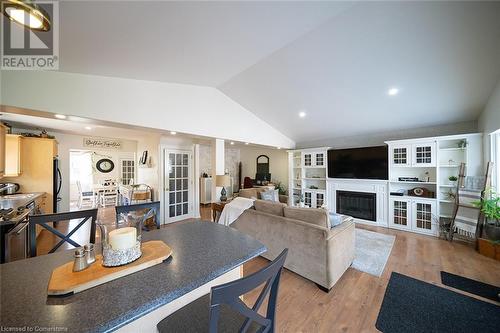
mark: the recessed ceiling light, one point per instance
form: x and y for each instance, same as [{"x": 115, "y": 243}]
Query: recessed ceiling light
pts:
[
  {"x": 302, "y": 114},
  {"x": 60, "y": 116},
  {"x": 393, "y": 91},
  {"x": 27, "y": 14},
  {"x": 247, "y": 143},
  {"x": 173, "y": 133},
  {"x": 278, "y": 147},
  {"x": 88, "y": 128},
  {"x": 232, "y": 142}
]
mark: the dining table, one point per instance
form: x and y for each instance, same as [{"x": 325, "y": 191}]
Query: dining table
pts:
[{"x": 203, "y": 255}]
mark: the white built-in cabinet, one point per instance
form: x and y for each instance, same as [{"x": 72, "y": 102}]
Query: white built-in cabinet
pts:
[
  {"x": 314, "y": 159},
  {"x": 422, "y": 154},
  {"x": 428, "y": 163},
  {"x": 413, "y": 214}
]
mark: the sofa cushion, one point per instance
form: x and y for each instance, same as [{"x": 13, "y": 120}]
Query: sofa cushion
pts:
[
  {"x": 270, "y": 207},
  {"x": 316, "y": 216},
  {"x": 250, "y": 193}
]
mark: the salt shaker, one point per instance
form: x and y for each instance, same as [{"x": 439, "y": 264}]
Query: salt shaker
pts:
[
  {"x": 80, "y": 262},
  {"x": 89, "y": 253}
]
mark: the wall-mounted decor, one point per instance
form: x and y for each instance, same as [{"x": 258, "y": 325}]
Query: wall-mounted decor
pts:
[
  {"x": 105, "y": 165},
  {"x": 102, "y": 143}
]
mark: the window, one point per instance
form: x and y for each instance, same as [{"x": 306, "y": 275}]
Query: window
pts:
[{"x": 128, "y": 171}]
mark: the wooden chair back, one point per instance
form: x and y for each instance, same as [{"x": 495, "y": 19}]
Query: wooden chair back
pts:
[{"x": 229, "y": 294}]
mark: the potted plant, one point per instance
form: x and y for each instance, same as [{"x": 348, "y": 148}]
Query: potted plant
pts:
[
  {"x": 490, "y": 207},
  {"x": 280, "y": 187},
  {"x": 453, "y": 180}
]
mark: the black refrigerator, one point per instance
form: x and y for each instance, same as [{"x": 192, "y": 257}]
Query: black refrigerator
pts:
[{"x": 56, "y": 184}]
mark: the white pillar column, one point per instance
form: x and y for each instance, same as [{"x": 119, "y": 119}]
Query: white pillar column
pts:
[{"x": 217, "y": 166}]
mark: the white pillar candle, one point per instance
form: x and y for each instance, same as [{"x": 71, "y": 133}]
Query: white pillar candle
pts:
[{"x": 122, "y": 238}]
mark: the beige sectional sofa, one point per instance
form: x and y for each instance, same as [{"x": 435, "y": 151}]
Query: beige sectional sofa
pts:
[{"x": 316, "y": 251}]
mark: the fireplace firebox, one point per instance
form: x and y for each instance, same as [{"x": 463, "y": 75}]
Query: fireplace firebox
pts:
[{"x": 361, "y": 205}]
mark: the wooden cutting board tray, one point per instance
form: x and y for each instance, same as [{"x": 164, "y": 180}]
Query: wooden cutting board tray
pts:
[{"x": 64, "y": 281}]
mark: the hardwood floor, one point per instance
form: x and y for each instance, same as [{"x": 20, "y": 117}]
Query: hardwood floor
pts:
[{"x": 354, "y": 302}]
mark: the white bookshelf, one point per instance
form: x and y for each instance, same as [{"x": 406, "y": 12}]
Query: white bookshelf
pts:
[{"x": 307, "y": 176}]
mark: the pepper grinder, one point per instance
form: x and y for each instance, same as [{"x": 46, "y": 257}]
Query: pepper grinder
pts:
[
  {"x": 80, "y": 262},
  {"x": 89, "y": 253}
]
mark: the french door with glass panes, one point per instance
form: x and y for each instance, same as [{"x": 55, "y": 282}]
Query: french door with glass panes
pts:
[{"x": 178, "y": 185}]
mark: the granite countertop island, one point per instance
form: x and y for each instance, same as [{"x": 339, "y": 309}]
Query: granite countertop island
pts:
[{"x": 202, "y": 251}]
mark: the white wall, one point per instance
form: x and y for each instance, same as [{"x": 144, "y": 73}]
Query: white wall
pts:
[
  {"x": 149, "y": 175},
  {"x": 377, "y": 139},
  {"x": 183, "y": 108},
  {"x": 489, "y": 120}
]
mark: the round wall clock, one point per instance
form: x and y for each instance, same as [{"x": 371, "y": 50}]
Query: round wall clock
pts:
[{"x": 105, "y": 165}]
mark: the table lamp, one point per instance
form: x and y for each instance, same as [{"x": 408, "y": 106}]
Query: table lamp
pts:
[{"x": 223, "y": 181}]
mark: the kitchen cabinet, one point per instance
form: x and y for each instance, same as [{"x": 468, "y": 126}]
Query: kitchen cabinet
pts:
[
  {"x": 38, "y": 169},
  {"x": 3, "y": 134},
  {"x": 13, "y": 155}
]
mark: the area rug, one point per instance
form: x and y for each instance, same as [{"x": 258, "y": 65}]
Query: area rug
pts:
[
  {"x": 471, "y": 286},
  {"x": 372, "y": 251},
  {"x": 414, "y": 306}
]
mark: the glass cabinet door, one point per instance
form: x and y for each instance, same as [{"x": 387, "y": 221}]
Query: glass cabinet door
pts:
[
  {"x": 400, "y": 213},
  {"x": 320, "y": 199},
  {"x": 424, "y": 154},
  {"x": 308, "y": 199},
  {"x": 400, "y": 156},
  {"x": 319, "y": 159},
  {"x": 423, "y": 213},
  {"x": 307, "y": 159}
]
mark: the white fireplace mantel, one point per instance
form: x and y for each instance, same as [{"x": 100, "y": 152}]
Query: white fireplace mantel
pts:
[{"x": 379, "y": 187}]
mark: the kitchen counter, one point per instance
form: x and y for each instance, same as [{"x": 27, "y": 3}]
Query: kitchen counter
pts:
[
  {"x": 202, "y": 252},
  {"x": 18, "y": 200}
]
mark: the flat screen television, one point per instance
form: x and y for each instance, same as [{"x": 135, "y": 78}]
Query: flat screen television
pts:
[{"x": 359, "y": 163}]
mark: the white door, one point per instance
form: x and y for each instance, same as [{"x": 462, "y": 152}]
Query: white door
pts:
[
  {"x": 307, "y": 159},
  {"x": 423, "y": 213},
  {"x": 178, "y": 185},
  {"x": 308, "y": 199},
  {"x": 424, "y": 154},
  {"x": 400, "y": 213}
]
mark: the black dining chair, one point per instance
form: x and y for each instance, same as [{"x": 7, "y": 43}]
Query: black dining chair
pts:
[
  {"x": 155, "y": 206},
  {"x": 223, "y": 310},
  {"x": 43, "y": 220}
]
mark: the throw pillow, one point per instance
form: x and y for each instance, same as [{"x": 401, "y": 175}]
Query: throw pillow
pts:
[
  {"x": 335, "y": 219},
  {"x": 269, "y": 195}
]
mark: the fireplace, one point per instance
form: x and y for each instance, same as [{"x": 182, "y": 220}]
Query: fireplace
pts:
[{"x": 361, "y": 205}]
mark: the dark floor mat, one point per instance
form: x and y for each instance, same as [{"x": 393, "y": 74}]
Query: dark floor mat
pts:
[
  {"x": 413, "y": 306},
  {"x": 471, "y": 286}
]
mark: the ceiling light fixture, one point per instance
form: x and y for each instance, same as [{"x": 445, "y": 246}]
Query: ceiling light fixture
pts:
[
  {"x": 60, "y": 116},
  {"x": 302, "y": 114},
  {"x": 278, "y": 148},
  {"x": 232, "y": 142},
  {"x": 88, "y": 128},
  {"x": 27, "y": 13},
  {"x": 247, "y": 143},
  {"x": 393, "y": 91},
  {"x": 173, "y": 133}
]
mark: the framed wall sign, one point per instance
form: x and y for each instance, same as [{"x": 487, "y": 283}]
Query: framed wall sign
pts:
[{"x": 102, "y": 143}]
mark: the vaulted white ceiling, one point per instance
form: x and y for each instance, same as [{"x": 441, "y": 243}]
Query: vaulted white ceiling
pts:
[
  {"x": 201, "y": 43},
  {"x": 333, "y": 60}
]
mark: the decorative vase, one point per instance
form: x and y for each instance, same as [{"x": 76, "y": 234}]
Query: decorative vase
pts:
[{"x": 121, "y": 243}]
